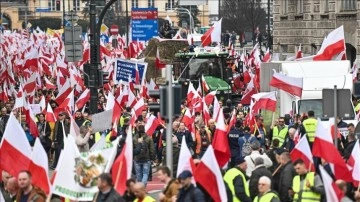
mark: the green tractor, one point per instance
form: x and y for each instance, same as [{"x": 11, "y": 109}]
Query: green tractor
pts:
[{"x": 216, "y": 67}]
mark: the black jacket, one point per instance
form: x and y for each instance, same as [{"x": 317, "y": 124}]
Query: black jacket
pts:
[
  {"x": 191, "y": 194},
  {"x": 58, "y": 133},
  {"x": 233, "y": 138},
  {"x": 111, "y": 196},
  {"x": 254, "y": 179},
  {"x": 348, "y": 149},
  {"x": 285, "y": 182}
]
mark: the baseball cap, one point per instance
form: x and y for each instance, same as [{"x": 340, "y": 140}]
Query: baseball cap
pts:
[{"x": 185, "y": 174}]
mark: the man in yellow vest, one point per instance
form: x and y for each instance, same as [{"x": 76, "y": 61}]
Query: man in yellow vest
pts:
[
  {"x": 141, "y": 194},
  {"x": 265, "y": 192},
  {"x": 307, "y": 186},
  {"x": 280, "y": 131},
  {"x": 310, "y": 125},
  {"x": 235, "y": 179}
]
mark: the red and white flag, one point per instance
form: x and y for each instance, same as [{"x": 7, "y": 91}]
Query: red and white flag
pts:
[
  {"x": 50, "y": 116},
  {"x": 139, "y": 106},
  {"x": 264, "y": 101},
  {"x": 151, "y": 124},
  {"x": 122, "y": 167},
  {"x": 209, "y": 98},
  {"x": 186, "y": 162},
  {"x": 31, "y": 121},
  {"x": 39, "y": 167},
  {"x": 48, "y": 84},
  {"x": 204, "y": 85},
  {"x": 291, "y": 85},
  {"x": 299, "y": 53},
  {"x": 220, "y": 142},
  {"x": 267, "y": 56},
  {"x": 208, "y": 175},
  {"x": 356, "y": 161},
  {"x": 332, "y": 192},
  {"x": 323, "y": 147},
  {"x": 212, "y": 35},
  {"x": 15, "y": 150},
  {"x": 64, "y": 91},
  {"x": 83, "y": 99},
  {"x": 158, "y": 63},
  {"x": 249, "y": 91},
  {"x": 355, "y": 71},
  {"x": 302, "y": 151}
]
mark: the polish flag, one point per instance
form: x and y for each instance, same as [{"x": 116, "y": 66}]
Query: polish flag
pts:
[
  {"x": 15, "y": 150},
  {"x": 42, "y": 103},
  {"x": 31, "y": 121},
  {"x": 204, "y": 85},
  {"x": 50, "y": 116},
  {"x": 139, "y": 106},
  {"x": 302, "y": 151},
  {"x": 299, "y": 53},
  {"x": 220, "y": 142},
  {"x": 208, "y": 175},
  {"x": 110, "y": 102},
  {"x": 48, "y": 84},
  {"x": 39, "y": 167},
  {"x": 332, "y": 192},
  {"x": 355, "y": 71},
  {"x": 249, "y": 91},
  {"x": 158, "y": 63},
  {"x": 216, "y": 109},
  {"x": 186, "y": 162},
  {"x": 131, "y": 100},
  {"x": 30, "y": 84},
  {"x": 205, "y": 113},
  {"x": 31, "y": 58},
  {"x": 83, "y": 99},
  {"x": 291, "y": 85},
  {"x": 188, "y": 118},
  {"x": 212, "y": 35},
  {"x": 151, "y": 124},
  {"x": 64, "y": 91},
  {"x": 232, "y": 121},
  {"x": 123, "y": 97},
  {"x": 332, "y": 45},
  {"x": 267, "y": 56},
  {"x": 209, "y": 98},
  {"x": 74, "y": 128},
  {"x": 122, "y": 167},
  {"x": 67, "y": 104},
  {"x": 323, "y": 147},
  {"x": 264, "y": 101},
  {"x": 355, "y": 161}
]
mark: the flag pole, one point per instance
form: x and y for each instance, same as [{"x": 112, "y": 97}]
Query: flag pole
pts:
[{"x": 276, "y": 170}]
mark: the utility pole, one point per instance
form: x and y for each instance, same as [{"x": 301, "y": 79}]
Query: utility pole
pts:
[{"x": 127, "y": 23}]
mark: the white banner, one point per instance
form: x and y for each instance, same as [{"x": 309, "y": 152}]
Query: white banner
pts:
[
  {"x": 77, "y": 174},
  {"x": 102, "y": 121}
]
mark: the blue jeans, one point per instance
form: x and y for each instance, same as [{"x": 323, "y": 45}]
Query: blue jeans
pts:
[{"x": 142, "y": 171}]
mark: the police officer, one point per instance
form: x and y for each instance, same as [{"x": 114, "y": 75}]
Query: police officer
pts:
[
  {"x": 280, "y": 131},
  {"x": 310, "y": 125},
  {"x": 234, "y": 135},
  {"x": 307, "y": 186},
  {"x": 235, "y": 179}
]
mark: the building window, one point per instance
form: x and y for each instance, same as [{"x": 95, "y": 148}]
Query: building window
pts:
[
  {"x": 52, "y": 5},
  {"x": 135, "y": 3},
  {"x": 300, "y": 6},
  {"x": 151, "y": 3},
  {"x": 284, "y": 7},
  {"x": 170, "y": 4},
  {"x": 326, "y": 6},
  {"x": 348, "y": 5},
  {"x": 76, "y": 5}
]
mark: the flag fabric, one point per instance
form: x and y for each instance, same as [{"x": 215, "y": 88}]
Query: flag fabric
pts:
[
  {"x": 291, "y": 85},
  {"x": 208, "y": 175},
  {"x": 333, "y": 44},
  {"x": 15, "y": 150},
  {"x": 249, "y": 91},
  {"x": 354, "y": 155},
  {"x": 31, "y": 121},
  {"x": 186, "y": 159},
  {"x": 220, "y": 142},
  {"x": 302, "y": 151},
  {"x": 122, "y": 167},
  {"x": 212, "y": 35},
  {"x": 48, "y": 84},
  {"x": 50, "y": 116},
  {"x": 267, "y": 56},
  {"x": 264, "y": 101},
  {"x": 299, "y": 53},
  {"x": 332, "y": 192},
  {"x": 39, "y": 167},
  {"x": 82, "y": 100},
  {"x": 158, "y": 63},
  {"x": 323, "y": 147},
  {"x": 151, "y": 124},
  {"x": 204, "y": 85}
]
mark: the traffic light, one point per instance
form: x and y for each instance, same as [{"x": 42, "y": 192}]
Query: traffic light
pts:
[
  {"x": 57, "y": 5},
  {"x": 103, "y": 78},
  {"x": 91, "y": 75},
  {"x": 162, "y": 106}
]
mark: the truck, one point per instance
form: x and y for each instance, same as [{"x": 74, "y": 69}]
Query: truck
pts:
[
  {"x": 317, "y": 75},
  {"x": 211, "y": 63}
]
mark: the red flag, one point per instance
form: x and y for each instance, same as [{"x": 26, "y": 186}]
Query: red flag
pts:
[
  {"x": 121, "y": 169},
  {"x": 332, "y": 192},
  {"x": 48, "y": 84},
  {"x": 204, "y": 85},
  {"x": 83, "y": 99},
  {"x": 267, "y": 56},
  {"x": 208, "y": 175},
  {"x": 264, "y": 101},
  {"x": 292, "y": 85},
  {"x": 212, "y": 35},
  {"x": 158, "y": 63},
  {"x": 302, "y": 151},
  {"x": 151, "y": 124},
  {"x": 220, "y": 142},
  {"x": 50, "y": 116}
]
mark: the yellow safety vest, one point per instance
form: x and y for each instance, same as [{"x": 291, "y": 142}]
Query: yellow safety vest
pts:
[
  {"x": 98, "y": 137},
  {"x": 310, "y": 126},
  {"x": 306, "y": 194},
  {"x": 85, "y": 122},
  {"x": 280, "y": 135},
  {"x": 146, "y": 199},
  {"x": 357, "y": 107},
  {"x": 266, "y": 198},
  {"x": 229, "y": 178}
]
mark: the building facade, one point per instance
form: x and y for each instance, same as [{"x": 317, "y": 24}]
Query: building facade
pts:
[
  {"x": 14, "y": 12},
  {"x": 307, "y": 22}
]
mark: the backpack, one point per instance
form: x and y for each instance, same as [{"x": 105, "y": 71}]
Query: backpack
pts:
[
  {"x": 246, "y": 148},
  {"x": 144, "y": 150}
]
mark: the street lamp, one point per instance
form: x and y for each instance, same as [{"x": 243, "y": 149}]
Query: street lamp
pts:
[{"x": 191, "y": 19}]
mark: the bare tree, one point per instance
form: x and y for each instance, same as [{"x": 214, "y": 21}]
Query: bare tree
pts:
[{"x": 243, "y": 15}]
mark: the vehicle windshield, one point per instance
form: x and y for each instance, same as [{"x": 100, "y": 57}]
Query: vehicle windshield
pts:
[
  {"x": 206, "y": 67},
  {"x": 308, "y": 105}
]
